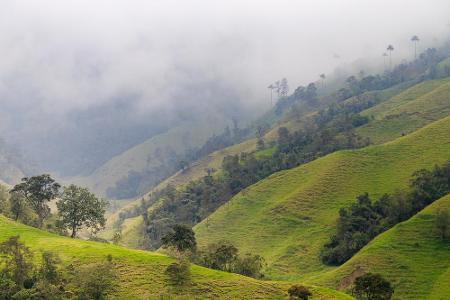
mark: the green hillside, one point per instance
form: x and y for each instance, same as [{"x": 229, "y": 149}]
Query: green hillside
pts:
[
  {"x": 411, "y": 255},
  {"x": 287, "y": 217},
  {"x": 408, "y": 111},
  {"x": 141, "y": 274},
  {"x": 387, "y": 99}
]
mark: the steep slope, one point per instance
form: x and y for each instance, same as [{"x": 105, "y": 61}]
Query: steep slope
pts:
[
  {"x": 141, "y": 274},
  {"x": 408, "y": 111},
  {"x": 287, "y": 217},
  {"x": 411, "y": 255}
]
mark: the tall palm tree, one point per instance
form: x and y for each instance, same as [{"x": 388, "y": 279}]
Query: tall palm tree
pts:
[
  {"x": 390, "y": 48},
  {"x": 322, "y": 76},
  {"x": 271, "y": 88},
  {"x": 415, "y": 39},
  {"x": 384, "y": 59}
]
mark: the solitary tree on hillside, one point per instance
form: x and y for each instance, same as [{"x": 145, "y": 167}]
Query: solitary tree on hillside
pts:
[
  {"x": 415, "y": 39},
  {"x": 372, "y": 287},
  {"x": 271, "y": 88},
  {"x": 284, "y": 87},
  {"x": 38, "y": 191},
  {"x": 322, "y": 77},
  {"x": 442, "y": 222},
  {"x": 182, "y": 238},
  {"x": 384, "y": 59},
  {"x": 78, "y": 207},
  {"x": 390, "y": 48}
]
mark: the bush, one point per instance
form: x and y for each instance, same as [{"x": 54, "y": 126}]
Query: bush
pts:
[
  {"x": 372, "y": 287},
  {"x": 96, "y": 281},
  {"x": 298, "y": 292},
  {"x": 179, "y": 273}
]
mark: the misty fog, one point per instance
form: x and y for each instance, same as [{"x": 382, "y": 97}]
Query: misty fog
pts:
[{"x": 82, "y": 81}]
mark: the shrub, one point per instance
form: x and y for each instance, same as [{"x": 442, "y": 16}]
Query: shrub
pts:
[
  {"x": 179, "y": 273},
  {"x": 372, "y": 287},
  {"x": 298, "y": 292}
]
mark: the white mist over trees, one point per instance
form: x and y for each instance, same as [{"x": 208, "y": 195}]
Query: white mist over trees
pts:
[{"x": 82, "y": 85}]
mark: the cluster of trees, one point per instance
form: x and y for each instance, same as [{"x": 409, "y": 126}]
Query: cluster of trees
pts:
[
  {"x": 365, "y": 219},
  {"x": 221, "y": 256},
  {"x": 21, "y": 279},
  {"x": 28, "y": 202}
]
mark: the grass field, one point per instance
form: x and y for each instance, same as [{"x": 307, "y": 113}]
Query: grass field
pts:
[
  {"x": 408, "y": 111},
  {"x": 411, "y": 255},
  {"x": 141, "y": 274},
  {"x": 287, "y": 217},
  {"x": 389, "y": 123}
]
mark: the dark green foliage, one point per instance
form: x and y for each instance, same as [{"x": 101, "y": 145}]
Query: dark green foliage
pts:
[
  {"x": 182, "y": 238},
  {"x": 299, "y": 292},
  {"x": 372, "y": 287},
  {"x": 38, "y": 191},
  {"x": 365, "y": 219},
  {"x": 96, "y": 281},
  {"x": 442, "y": 223},
  {"x": 19, "y": 279},
  {"x": 220, "y": 256},
  {"x": 16, "y": 261},
  {"x": 178, "y": 273},
  {"x": 225, "y": 257},
  {"x": 250, "y": 265},
  {"x": 79, "y": 208}
]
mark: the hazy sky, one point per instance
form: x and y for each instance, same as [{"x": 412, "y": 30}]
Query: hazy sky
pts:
[
  {"x": 59, "y": 56},
  {"x": 67, "y": 53}
]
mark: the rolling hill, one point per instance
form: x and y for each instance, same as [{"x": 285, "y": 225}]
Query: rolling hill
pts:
[
  {"x": 287, "y": 217},
  {"x": 411, "y": 255},
  {"x": 407, "y": 99},
  {"x": 141, "y": 273},
  {"x": 408, "y": 111}
]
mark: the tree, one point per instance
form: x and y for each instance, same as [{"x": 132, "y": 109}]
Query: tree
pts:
[
  {"x": 415, "y": 40},
  {"x": 80, "y": 208},
  {"x": 182, "y": 238},
  {"x": 284, "y": 87},
  {"x": 283, "y": 136},
  {"x": 322, "y": 77},
  {"x": 442, "y": 223},
  {"x": 17, "y": 205},
  {"x": 390, "y": 48},
  {"x": 372, "y": 287},
  {"x": 49, "y": 268},
  {"x": 38, "y": 191},
  {"x": 179, "y": 272},
  {"x": 384, "y": 59},
  {"x": 17, "y": 260},
  {"x": 298, "y": 292},
  {"x": 96, "y": 281}
]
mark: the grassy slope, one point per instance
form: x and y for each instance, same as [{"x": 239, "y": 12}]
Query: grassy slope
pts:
[
  {"x": 410, "y": 255},
  {"x": 408, "y": 111},
  {"x": 287, "y": 217},
  {"x": 141, "y": 274},
  {"x": 214, "y": 160}
]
